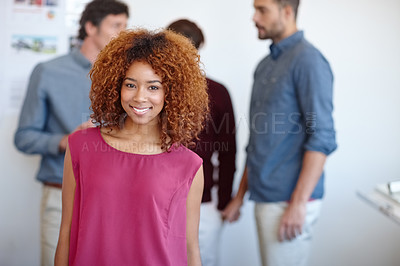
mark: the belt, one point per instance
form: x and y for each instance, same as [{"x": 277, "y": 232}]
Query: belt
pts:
[{"x": 55, "y": 185}]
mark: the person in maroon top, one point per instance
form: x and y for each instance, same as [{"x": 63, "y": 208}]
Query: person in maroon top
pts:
[{"x": 217, "y": 140}]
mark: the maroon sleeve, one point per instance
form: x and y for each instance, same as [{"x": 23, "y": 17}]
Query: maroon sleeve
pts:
[{"x": 226, "y": 136}]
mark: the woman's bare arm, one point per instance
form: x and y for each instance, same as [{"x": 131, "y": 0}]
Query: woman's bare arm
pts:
[
  {"x": 192, "y": 218},
  {"x": 68, "y": 194}
]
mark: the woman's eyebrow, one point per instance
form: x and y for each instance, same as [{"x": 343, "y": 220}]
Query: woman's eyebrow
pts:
[
  {"x": 154, "y": 81},
  {"x": 131, "y": 79},
  {"x": 149, "y": 81}
]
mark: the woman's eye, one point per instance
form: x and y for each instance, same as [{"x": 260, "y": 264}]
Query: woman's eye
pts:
[
  {"x": 130, "y": 85},
  {"x": 153, "y": 88}
]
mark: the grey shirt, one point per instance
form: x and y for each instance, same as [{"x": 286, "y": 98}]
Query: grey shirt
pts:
[
  {"x": 56, "y": 102},
  {"x": 290, "y": 113}
]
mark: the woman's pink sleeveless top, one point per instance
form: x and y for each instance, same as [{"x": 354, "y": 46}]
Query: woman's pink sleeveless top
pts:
[{"x": 129, "y": 209}]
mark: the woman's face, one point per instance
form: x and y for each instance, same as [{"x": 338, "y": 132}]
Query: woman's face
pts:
[{"x": 142, "y": 94}]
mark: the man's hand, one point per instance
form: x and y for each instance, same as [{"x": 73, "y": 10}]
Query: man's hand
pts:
[
  {"x": 63, "y": 142},
  {"x": 231, "y": 213},
  {"x": 292, "y": 221},
  {"x": 84, "y": 125}
]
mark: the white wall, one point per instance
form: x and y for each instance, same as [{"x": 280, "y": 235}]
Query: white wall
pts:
[{"x": 359, "y": 38}]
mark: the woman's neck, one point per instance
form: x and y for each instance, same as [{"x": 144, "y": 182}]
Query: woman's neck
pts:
[
  {"x": 133, "y": 138},
  {"x": 142, "y": 133}
]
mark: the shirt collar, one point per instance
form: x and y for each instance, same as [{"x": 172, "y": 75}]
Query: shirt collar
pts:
[
  {"x": 285, "y": 44},
  {"x": 80, "y": 58}
]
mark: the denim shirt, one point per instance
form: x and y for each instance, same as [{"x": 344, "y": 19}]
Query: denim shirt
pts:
[
  {"x": 56, "y": 102},
  {"x": 290, "y": 113}
]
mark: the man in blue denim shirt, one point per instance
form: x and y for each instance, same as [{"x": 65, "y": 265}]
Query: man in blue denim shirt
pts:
[
  {"x": 57, "y": 103},
  {"x": 291, "y": 134}
]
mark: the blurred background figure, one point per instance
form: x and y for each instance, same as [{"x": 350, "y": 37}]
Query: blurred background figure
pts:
[
  {"x": 57, "y": 104},
  {"x": 217, "y": 147},
  {"x": 291, "y": 134}
]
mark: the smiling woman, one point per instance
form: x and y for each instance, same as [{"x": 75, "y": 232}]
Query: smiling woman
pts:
[
  {"x": 175, "y": 62},
  {"x": 137, "y": 201},
  {"x": 142, "y": 94}
]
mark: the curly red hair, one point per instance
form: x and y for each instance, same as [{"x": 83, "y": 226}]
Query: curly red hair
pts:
[{"x": 175, "y": 60}]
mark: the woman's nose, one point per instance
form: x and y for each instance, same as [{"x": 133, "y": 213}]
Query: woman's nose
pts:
[{"x": 140, "y": 95}]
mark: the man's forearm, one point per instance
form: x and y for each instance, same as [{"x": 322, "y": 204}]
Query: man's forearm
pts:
[
  {"x": 37, "y": 142},
  {"x": 313, "y": 165},
  {"x": 243, "y": 186}
]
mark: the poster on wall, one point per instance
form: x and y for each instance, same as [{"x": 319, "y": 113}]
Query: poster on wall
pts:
[
  {"x": 33, "y": 31},
  {"x": 25, "y": 51},
  {"x": 34, "y": 11},
  {"x": 29, "y": 44}
]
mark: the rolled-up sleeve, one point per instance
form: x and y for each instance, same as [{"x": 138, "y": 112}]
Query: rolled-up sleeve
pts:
[
  {"x": 314, "y": 84},
  {"x": 30, "y": 136}
]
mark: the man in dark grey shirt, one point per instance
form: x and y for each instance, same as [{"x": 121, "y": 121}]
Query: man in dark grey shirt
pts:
[
  {"x": 291, "y": 135},
  {"x": 57, "y": 104}
]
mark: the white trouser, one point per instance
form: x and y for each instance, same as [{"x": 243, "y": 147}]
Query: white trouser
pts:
[
  {"x": 50, "y": 216},
  {"x": 287, "y": 253},
  {"x": 209, "y": 233}
]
